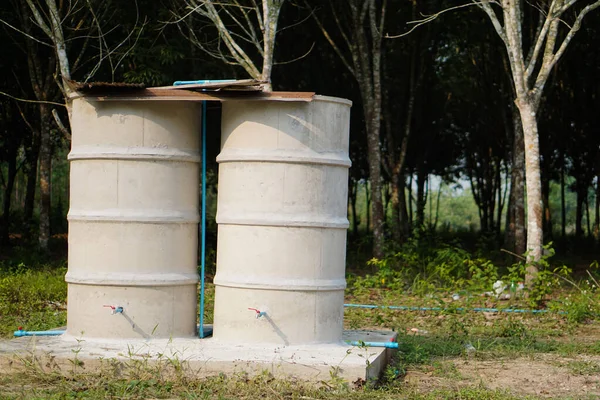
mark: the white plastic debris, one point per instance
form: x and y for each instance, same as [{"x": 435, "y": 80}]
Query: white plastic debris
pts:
[
  {"x": 499, "y": 287},
  {"x": 470, "y": 348}
]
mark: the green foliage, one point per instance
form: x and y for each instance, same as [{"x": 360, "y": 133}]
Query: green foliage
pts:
[
  {"x": 151, "y": 65},
  {"x": 584, "y": 367},
  {"x": 513, "y": 328},
  {"x": 579, "y": 307},
  {"x": 32, "y": 298},
  {"x": 584, "y": 303},
  {"x": 443, "y": 338},
  {"x": 548, "y": 280},
  {"x": 483, "y": 273},
  {"x": 425, "y": 263}
]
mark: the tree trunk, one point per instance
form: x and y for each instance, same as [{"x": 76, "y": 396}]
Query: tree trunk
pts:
[
  {"x": 509, "y": 224},
  {"x": 17, "y": 197},
  {"x": 497, "y": 227},
  {"x": 398, "y": 175},
  {"x": 395, "y": 199},
  {"x": 368, "y": 208},
  {"x": 271, "y": 9},
  {"x": 374, "y": 158},
  {"x": 421, "y": 197},
  {"x": 515, "y": 232},
  {"x": 437, "y": 208},
  {"x": 31, "y": 185},
  {"x": 399, "y": 213},
  {"x": 579, "y": 215},
  {"x": 352, "y": 191},
  {"x": 385, "y": 187},
  {"x": 520, "y": 233},
  {"x": 534, "y": 187},
  {"x": 410, "y": 202},
  {"x": 587, "y": 213},
  {"x": 10, "y": 182},
  {"x": 597, "y": 208},
  {"x": 45, "y": 176},
  {"x": 563, "y": 208},
  {"x": 30, "y": 188},
  {"x": 546, "y": 201},
  {"x": 404, "y": 219}
]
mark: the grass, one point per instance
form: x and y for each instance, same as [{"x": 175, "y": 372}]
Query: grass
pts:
[
  {"x": 34, "y": 296},
  {"x": 584, "y": 367},
  {"x": 263, "y": 386}
]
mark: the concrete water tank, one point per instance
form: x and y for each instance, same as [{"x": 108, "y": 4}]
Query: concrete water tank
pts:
[
  {"x": 282, "y": 221},
  {"x": 133, "y": 219}
]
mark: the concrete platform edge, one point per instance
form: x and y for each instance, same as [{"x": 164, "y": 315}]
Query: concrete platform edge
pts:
[{"x": 200, "y": 358}]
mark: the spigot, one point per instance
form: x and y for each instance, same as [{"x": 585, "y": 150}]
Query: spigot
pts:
[
  {"x": 258, "y": 312},
  {"x": 114, "y": 309}
]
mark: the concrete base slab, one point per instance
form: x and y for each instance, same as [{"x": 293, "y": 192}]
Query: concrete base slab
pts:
[{"x": 205, "y": 357}]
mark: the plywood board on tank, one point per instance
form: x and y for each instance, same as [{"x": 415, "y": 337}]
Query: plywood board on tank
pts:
[{"x": 158, "y": 94}]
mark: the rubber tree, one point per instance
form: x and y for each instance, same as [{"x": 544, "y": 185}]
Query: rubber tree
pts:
[
  {"x": 68, "y": 30},
  {"x": 246, "y": 28},
  {"x": 41, "y": 78},
  {"x": 361, "y": 24},
  {"x": 530, "y": 69}
]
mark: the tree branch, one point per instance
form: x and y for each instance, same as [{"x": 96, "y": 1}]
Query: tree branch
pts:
[
  {"x": 500, "y": 30},
  {"x": 60, "y": 124},
  {"x": 430, "y": 18},
  {"x": 333, "y": 44},
  {"x": 25, "y": 33},
  {"x": 31, "y": 101},
  {"x": 533, "y": 56},
  {"x": 576, "y": 26},
  {"x": 236, "y": 51},
  {"x": 297, "y": 58},
  {"x": 39, "y": 19},
  {"x": 552, "y": 60}
]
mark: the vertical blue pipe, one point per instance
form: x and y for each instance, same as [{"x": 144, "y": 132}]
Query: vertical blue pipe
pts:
[{"x": 203, "y": 224}]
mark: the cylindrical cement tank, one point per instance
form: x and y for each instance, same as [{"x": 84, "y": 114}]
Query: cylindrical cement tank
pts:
[
  {"x": 282, "y": 221},
  {"x": 133, "y": 219}
]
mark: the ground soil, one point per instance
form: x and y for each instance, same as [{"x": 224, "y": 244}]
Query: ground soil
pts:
[{"x": 543, "y": 375}]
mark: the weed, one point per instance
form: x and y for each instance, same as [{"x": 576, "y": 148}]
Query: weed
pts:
[
  {"x": 446, "y": 369},
  {"x": 423, "y": 273},
  {"x": 548, "y": 279},
  {"x": 34, "y": 298},
  {"x": 584, "y": 367},
  {"x": 513, "y": 328}
]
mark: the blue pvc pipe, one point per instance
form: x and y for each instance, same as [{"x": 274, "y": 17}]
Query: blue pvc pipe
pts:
[
  {"x": 404, "y": 308},
  {"x": 201, "y": 332},
  {"x": 476, "y": 309},
  {"x": 20, "y": 333},
  {"x": 389, "y": 345},
  {"x": 203, "y": 224},
  {"x": 202, "y": 82}
]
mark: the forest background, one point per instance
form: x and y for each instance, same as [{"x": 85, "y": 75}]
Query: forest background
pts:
[{"x": 437, "y": 140}]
